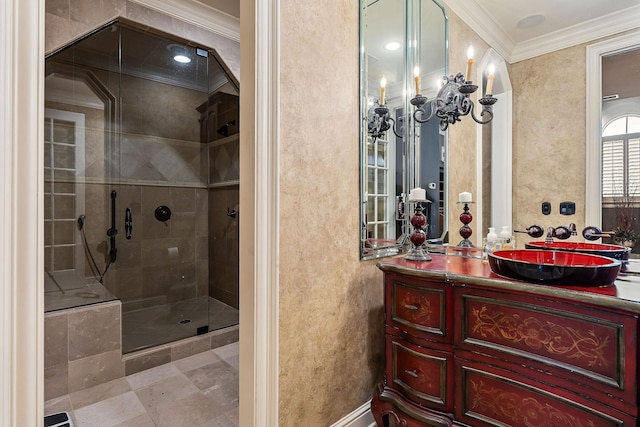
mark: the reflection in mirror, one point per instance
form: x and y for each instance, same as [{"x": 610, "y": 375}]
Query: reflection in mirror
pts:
[
  {"x": 398, "y": 154},
  {"x": 621, "y": 147},
  {"x": 494, "y": 151}
]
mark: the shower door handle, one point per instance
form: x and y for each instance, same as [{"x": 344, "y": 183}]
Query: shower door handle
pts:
[
  {"x": 113, "y": 231},
  {"x": 128, "y": 223}
]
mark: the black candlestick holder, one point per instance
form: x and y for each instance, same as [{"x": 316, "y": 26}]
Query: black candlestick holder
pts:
[
  {"x": 465, "y": 230},
  {"x": 418, "y": 235}
]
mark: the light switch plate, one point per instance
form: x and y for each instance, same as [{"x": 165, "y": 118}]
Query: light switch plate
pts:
[
  {"x": 546, "y": 208},
  {"x": 567, "y": 208}
]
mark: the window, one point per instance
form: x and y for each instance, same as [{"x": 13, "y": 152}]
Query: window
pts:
[
  {"x": 379, "y": 185},
  {"x": 621, "y": 158}
]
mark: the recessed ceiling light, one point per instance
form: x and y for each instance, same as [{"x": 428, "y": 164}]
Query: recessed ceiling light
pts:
[
  {"x": 180, "y": 53},
  {"x": 182, "y": 59},
  {"x": 392, "y": 46},
  {"x": 531, "y": 21}
]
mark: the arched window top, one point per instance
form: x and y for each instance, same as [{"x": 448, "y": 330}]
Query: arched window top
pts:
[{"x": 622, "y": 126}]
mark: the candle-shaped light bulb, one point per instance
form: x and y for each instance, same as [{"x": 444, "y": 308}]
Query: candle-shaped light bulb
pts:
[
  {"x": 383, "y": 86},
  {"x": 416, "y": 77},
  {"x": 469, "y": 62},
  {"x": 490, "y": 77}
]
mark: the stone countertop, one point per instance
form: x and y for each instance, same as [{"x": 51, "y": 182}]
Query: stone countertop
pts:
[{"x": 624, "y": 294}]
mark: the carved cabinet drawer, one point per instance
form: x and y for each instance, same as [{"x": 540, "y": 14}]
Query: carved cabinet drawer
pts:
[
  {"x": 489, "y": 396},
  {"x": 424, "y": 376},
  {"x": 418, "y": 308},
  {"x": 593, "y": 348}
]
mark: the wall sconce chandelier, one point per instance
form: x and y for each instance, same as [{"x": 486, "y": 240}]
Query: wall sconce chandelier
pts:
[
  {"x": 453, "y": 102},
  {"x": 379, "y": 121}
]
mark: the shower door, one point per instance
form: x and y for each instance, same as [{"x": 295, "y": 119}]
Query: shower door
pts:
[
  {"x": 80, "y": 141},
  {"x": 142, "y": 181},
  {"x": 163, "y": 202}
]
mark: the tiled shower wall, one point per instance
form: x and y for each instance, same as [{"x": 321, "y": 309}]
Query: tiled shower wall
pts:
[
  {"x": 163, "y": 261},
  {"x": 224, "y": 245}
]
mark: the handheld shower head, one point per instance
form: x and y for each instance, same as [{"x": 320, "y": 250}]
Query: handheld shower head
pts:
[{"x": 81, "y": 222}]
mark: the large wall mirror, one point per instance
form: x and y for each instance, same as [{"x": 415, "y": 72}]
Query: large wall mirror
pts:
[
  {"x": 613, "y": 132},
  {"x": 403, "y": 49}
]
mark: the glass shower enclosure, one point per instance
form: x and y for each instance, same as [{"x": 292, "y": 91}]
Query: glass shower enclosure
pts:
[{"x": 141, "y": 182}]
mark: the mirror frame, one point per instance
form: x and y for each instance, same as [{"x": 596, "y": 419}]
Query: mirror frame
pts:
[
  {"x": 593, "y": 169},
  {"x": 410, "y": 164}
]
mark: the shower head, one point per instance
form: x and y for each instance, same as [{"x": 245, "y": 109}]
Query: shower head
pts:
[{"x": 81, "y": 222}]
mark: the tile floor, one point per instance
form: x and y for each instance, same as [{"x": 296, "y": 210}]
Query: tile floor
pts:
[{"x": 197, "y": 391}]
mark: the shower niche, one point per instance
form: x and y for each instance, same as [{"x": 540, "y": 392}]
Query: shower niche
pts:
[{"x": 141, "y": 170}]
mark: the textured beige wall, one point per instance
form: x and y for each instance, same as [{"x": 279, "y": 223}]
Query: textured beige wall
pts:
[
  {"x": 549, "y": 137},
  {"x": 330, "y": 302}
]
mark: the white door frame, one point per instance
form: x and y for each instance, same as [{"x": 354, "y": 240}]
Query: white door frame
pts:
[{"x": 21, "y": 212}]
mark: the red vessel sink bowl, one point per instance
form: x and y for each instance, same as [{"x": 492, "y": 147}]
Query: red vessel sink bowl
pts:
[
  {"x": 555, "y": 267},
  {"x": 610, "y": 251}
]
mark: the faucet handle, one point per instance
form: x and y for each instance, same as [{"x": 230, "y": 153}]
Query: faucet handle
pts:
[
  {"x": 593, "y": 233},
  {"x": 534, "y": 231}
]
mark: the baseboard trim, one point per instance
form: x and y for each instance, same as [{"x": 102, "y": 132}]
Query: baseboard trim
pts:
[{"x": 360, "y": 417}]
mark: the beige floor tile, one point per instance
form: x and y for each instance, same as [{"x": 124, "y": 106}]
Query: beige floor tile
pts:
[
  {"x": 197, "y": 391},
  {"x": 110, "y": 412},
  {"x": 57, "y": 404},
  {"x": 234, "y": 415},
  {"x": 139, "y": 421},
  {"x": 194, "y": 362},
  {"x": 82, "y": 398},
  {"x": 192, "y": 410},
  {"x": 219, "y": 374},
  {"x": 159, "y": 395},
  {"x": 229, "y": 353},
  {"x": 219, "y": 421},
  {"x": 152, "y": 376}
]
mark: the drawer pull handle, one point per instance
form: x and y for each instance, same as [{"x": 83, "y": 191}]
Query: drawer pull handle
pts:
[
  {"x": 413, "y": 373},
  {"x": 410, "y": 307}
]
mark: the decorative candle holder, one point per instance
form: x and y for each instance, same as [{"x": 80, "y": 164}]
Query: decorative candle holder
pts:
[
  {"x": 465, "y": 230},
  {"x": 418, "y": 235}
]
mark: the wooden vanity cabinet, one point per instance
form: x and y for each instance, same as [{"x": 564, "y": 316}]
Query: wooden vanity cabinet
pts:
[{"x": 479, "y": 350}]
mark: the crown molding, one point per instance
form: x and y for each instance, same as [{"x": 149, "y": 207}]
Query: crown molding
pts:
[
  {"x": 198, "y": 14},
  {"x": 480, "y": 22},
  {"x": 604, "y": 26}
]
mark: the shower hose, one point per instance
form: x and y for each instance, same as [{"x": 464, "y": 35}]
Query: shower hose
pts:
[{"x": 81, "y": 221}]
